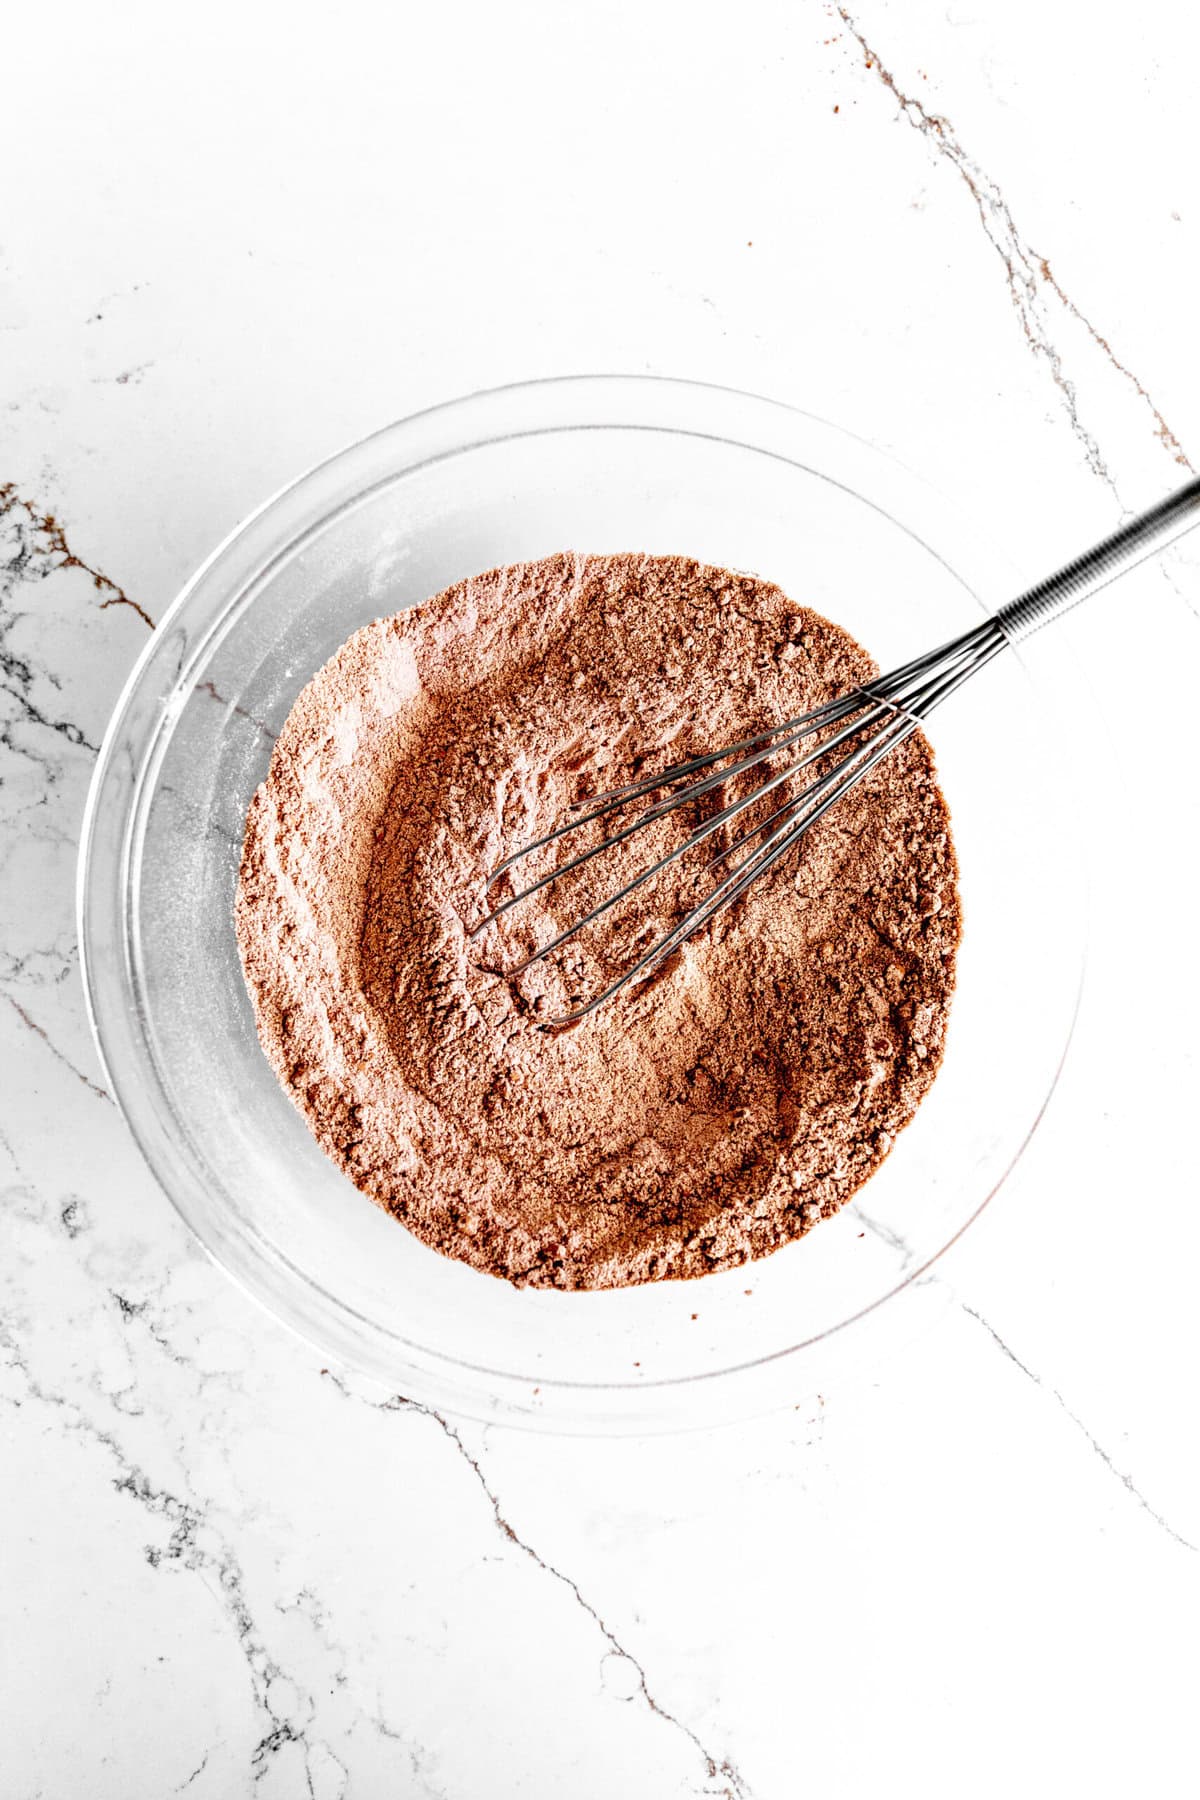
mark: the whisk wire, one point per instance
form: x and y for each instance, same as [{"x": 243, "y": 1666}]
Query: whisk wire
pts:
[
  {"x": 867, "y": 724},
  {"x": 890, "y": 708}
]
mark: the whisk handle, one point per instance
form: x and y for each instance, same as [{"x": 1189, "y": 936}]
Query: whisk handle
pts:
[{"x": 1142, "y": 537}]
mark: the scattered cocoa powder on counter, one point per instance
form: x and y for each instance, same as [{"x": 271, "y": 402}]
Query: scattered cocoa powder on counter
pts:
[{"x": 688, "y": 1125}]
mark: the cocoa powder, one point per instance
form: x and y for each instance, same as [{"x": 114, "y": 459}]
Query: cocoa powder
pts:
[{"x": 697, "y": 1122}]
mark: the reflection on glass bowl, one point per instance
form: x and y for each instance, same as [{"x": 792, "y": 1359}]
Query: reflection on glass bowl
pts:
[{"x": 596, "y": 464}]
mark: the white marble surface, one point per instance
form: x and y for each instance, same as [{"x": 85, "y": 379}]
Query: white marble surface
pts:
[{"x": 969, "y": 233}]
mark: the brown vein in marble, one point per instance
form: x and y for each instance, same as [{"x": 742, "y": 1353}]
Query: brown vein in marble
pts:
[
  {"x": 1162, "y": 430},
  {"x": 40, "y": 1031},
  {"x": 1126, "y": 1481},
  {"x": 207, "y": 687},
  {"x": 733, "y": 1784},
  {"x": 1028, "y": 273},
  {"x": 933, "y": 1279},
  {"x": 56, "y": 553},
  {"x": 10, "y": 1150}
]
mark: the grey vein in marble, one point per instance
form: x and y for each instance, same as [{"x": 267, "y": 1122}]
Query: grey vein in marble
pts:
[
  {"x": 1028, "y": 273},
  {"x": 194, "y": 1544},
  {"x": 1125, "y": 1480}
]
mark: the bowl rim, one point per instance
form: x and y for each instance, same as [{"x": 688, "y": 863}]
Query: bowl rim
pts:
[{"x": 545, "y": 405}]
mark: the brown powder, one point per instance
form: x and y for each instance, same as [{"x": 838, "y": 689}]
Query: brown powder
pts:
[{"x": 690, "y": 1125}]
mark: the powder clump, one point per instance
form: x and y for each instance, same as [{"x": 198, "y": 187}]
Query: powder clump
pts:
[{"x": 690, "y": 1125}]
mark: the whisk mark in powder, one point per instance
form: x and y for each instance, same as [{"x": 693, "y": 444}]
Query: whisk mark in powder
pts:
[{"x": 690, "y": 1125}]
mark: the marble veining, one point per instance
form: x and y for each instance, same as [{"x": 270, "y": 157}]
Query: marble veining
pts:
[
  {"x": 252, "y": 1574},
  {"x": 1030, "y": 279}
]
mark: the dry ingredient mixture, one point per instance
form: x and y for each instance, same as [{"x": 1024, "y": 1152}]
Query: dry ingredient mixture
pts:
[{"x": 689, "y": 1125}]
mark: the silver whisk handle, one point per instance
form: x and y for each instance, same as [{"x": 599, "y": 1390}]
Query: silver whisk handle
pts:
[{"x": 1150, "y": 532}]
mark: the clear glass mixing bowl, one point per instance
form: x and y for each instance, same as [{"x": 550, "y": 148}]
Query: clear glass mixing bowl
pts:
[{"x": 595, "y": 464}]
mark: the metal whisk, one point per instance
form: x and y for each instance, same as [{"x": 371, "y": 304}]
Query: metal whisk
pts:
[{"x": 865, "y": 724}]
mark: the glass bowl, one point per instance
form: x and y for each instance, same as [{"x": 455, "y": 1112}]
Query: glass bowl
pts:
[{"x": 592, "y": 464}]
